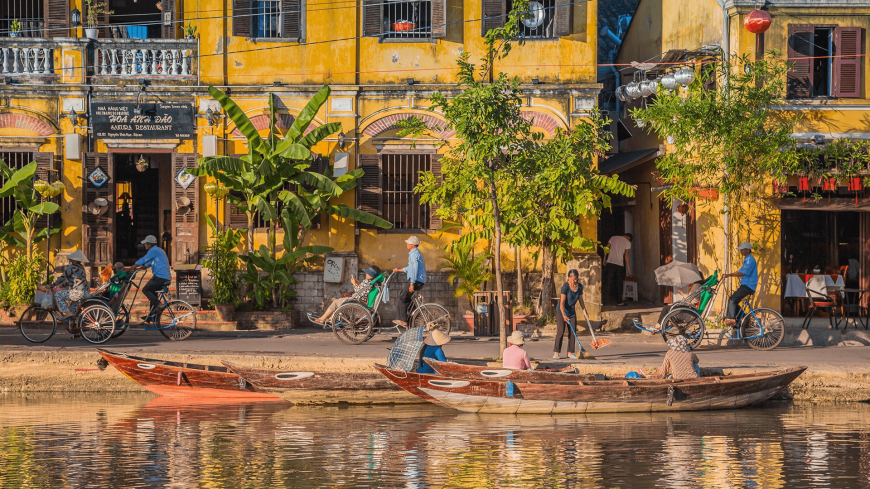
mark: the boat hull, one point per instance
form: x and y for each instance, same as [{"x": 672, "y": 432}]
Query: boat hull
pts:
[
  {"x": 174, "y": 379},
  {"x": 304, "y": 387},
  {"x": 613, "y": 396},
  {"x": 479, "y": 372}
]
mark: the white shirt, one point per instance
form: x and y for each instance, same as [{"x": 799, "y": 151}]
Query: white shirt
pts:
[{"x": 618, "y": 245}]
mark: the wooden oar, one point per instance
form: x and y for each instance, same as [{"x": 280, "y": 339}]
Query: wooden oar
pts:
[
  {"x": 596, "y": 344},
  {"x": 586, "y": 355}
]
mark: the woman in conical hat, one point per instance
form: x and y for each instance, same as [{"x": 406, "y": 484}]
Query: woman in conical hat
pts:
[
  {"x": 433, "y": 342},
  {"x": 75, "y": 285}
]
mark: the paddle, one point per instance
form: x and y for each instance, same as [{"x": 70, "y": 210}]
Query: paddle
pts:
[
  {"x": 596, "y": 344},
  {"x": 586, "y": 354}
]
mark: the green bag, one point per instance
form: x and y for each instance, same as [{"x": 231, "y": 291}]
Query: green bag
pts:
[
  {"x": 707, "y": 291},
  {"x": 373, "y": 294}
]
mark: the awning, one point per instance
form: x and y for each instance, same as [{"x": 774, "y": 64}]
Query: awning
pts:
[{"x": 621, "y": 162}]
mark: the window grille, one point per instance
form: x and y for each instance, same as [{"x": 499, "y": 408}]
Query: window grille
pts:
[
  {"x": 15, "y": 161},
  {"x": 542, "y": 21},
  {"x": 407, "y": 20},
  {"x": 401, "y": 174},
  {"x": 266, "y": 18},
  {"x": 28, "y": 13}
]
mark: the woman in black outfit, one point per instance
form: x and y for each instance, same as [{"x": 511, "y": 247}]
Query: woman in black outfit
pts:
[{"x": 572, "y": 293}]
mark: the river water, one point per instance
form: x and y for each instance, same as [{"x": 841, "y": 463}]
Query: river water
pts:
[{"x": 136, "y": 441}]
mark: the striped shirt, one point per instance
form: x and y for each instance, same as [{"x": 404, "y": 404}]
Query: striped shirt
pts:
[{"x": 680, "y": 364}]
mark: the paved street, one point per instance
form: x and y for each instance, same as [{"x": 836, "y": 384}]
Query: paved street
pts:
[{"x": 626, "y": 349}]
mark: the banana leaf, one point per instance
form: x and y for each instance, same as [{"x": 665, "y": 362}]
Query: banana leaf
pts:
[
  {"x": 319, "y": 134},
  {"x": 342, "y": 210},
  {"x": 44, "y": 208},
  {"x": 304, "y": 119},
  {"x": 294, "y": 205},
  {"x": 238, "y": 116},
  {"x": 24, "y": 175}
]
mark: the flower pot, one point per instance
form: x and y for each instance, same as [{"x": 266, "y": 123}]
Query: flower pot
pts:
[
  {"x": 92, "y": 33},
  {"x": 522, "y": 318},
  {"x": 469, "y": 321},
  {"x": 803, "y": 184},
  {"x": 14, "y": 34},
  {"x": 226, "y": 311},
  {"x": 189, "y": 38}
]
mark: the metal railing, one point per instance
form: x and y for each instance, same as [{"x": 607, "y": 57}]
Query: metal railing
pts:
[
  {"x": 408, "y": 19},
  {"x": 401, "y": 174},
  {"x": 138, "y": 57}
]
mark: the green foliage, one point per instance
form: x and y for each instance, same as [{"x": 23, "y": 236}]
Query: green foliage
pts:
[
  {"x": 223, "y": 264},
  {"x": 93, "y": 11},
  {"x": 20, "y": 231},
  {"x": 21, "y": 274},
  {"x": 471, "y": 269},
  {"x": 727, "y": 139},
  {"x": 15, "y": 26},
  {"x": 276, "y": 279}
]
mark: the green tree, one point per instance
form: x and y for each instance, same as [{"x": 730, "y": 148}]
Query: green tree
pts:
[
  {"x": 21, "y": 230},
  {"x": 466, "y": 266}
]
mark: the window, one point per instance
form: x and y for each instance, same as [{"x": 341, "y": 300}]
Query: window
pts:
[
  {"x": 548, "y": 19},
  {"x": 29, "y": 15},
  {"x": 269, "y": 19},
  {"x": 387, "y": 188},
  {"x": 826, "y": 61},
  {"x": 405, "y": 20},
  {"x": 13, "y": 161}
]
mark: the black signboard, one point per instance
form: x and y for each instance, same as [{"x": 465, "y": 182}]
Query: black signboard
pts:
[
  {"x": 143, "y": 121},
  {"x": 188, "y": 286}
]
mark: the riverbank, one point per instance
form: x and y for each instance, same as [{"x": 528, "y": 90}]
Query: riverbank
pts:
[{"x": 52, "y": 370}]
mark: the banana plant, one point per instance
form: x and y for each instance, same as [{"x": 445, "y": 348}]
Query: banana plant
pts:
[{"x": 21, "y": 230}]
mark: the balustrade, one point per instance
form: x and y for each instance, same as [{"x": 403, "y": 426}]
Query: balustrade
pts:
[
  {"x": 27, "y": 60},
  {"x": 157, "y": 60}
]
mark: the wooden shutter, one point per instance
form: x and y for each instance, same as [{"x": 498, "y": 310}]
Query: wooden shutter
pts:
[
  {"x": 291, "y": 18},
  {"x": 564, "y": 18},
  {"x": 98, "y": 232},
  {"x": 435, "y": 168},
  {"x": 666, "y": 246},
  {"x": 185, "y": 231},
  {"x": 373, "y": 17},
  {"x": 439, "y": 18},
  {"x": 170, "y": 31},
  {"x": 242, "y": 18},
  {"x": 44, "y": 163},
  {"x": 800, "y": 54},
  {"x": 56, "y": 14},
  {"x": 848, "y": 61},
  {"x": 369, "y": 197},
  {"x": 494, "y": 12}
]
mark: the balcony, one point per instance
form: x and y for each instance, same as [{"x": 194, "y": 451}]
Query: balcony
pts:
[
  {"x": 28, "y": 57},
  {"x": 157, "y": 59}
]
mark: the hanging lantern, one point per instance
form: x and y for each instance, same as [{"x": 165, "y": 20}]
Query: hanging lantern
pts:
[
  {"x": 653, "y": 86},
  {"x": 855, "y": 184},
  {"x": 43, "y": 187},
  {"x": 684, "y": 76},
  {"x": 780, "y": 188},
  {"x": 645, "y": 90},
  {"x": 57, "y": 188},
  {"x": 632, "y": 90},
  {"x": 757, "y": 21},
  {"x": 669, "y": 82},
  {"x": 221, "y": 191},
  {"x": 803, "y": 184},
  {"x": 620, "y": 94},
  {"x": 829, "y": 184}
]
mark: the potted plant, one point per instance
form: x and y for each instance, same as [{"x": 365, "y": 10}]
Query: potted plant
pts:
[
  {"x": 189, "y": 31},
  {"x": 523, "y": 313},
  {"x": 223, "y": 266},
  {"x": 94, "y": 11},
  {"x": 470, "y": 269},
  {"x": 142, "y": 164},
  {"x": 15, "y": 29}
]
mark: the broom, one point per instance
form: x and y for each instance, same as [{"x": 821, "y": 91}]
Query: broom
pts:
[
  {"x": 582, "y": 353},
  {"x": 596, "y": 344}
]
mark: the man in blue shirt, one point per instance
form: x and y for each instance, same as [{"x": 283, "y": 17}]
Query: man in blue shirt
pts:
[
  {"x": 416, "y": 272},
  {"x": 155, "y": 258},
  {"x": 748, "y": 274}
]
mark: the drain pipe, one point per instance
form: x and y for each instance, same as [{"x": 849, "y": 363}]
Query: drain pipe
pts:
[{"x": 726, "y": 228}]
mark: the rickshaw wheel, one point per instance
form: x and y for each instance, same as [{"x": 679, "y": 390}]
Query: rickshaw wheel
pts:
[
  {"x": 177, "y": 320},
  {"x": 434, "y": 316},
  {"x": 352, "y": 324},
  {"x": 774, "y": 329},
  {"x": 686, "y": 322},
  {"x": 96, "y": 323},
  {"x": 122, "y": 319}
]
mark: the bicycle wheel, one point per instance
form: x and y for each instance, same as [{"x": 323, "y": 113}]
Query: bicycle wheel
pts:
[
  {"x": 96, "y": 323},
  {"x": 686, "y": 322},
  {"x": 352, "y": 324},
  {"x": 433, "y": 316},
  {"x": 769, "y": 322},
  {"x": 177, "y": 320},
  {"x": 122, "y": 319},
  {"x": 37, "y": 325}
]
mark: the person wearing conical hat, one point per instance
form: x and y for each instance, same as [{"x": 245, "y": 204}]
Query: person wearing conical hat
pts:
[
  {"x": 72, "y": 287},
  {"x": 514, "y": 356},
  {"x": 433, "y": 344}
]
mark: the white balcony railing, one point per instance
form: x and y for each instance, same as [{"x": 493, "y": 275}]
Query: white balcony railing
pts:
[
  {"x": 121, "y": 61},
  {"x": 27, "y": 60}
]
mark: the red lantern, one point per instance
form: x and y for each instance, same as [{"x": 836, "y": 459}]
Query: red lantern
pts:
[
  {"x": 855, "y": 184},
  {"x": 757, "y": 21},
  {"x": 803, "y": 184},
  {"x": 829, "y": 184},
  {"x": 779, "y": 188}
]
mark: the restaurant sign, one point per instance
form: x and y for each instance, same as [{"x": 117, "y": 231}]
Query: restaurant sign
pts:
[{"x": 143, "y": 121}]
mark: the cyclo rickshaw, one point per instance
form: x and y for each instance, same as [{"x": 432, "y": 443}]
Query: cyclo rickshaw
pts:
[
  {"x": 354, "y": 323},
  {"x": 762, "y": 328}
]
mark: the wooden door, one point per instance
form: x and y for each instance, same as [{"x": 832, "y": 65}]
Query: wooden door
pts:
[
  {"x": 666, "y": 244},
  {"x": 185, "y": 230},
  {"x": 98, "y": 231}
]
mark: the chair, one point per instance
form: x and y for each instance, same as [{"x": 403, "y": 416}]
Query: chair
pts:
[
  {"x": 629, "y": 289},
  {"x": 819, "y": 300}
]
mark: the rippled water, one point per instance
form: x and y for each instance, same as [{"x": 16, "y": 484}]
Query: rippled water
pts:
[{"x": 135, "y": 441}]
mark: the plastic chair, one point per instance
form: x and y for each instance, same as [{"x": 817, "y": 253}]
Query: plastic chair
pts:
[{"x": 629, "y": 289}]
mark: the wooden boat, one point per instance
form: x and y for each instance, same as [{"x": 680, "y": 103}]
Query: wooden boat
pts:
[
  {"x": 605, "y": 396},
  {"x": 176, "y": 379},
  {"x": 481, "y": 372},
  {"x": 324, "y": 387}
]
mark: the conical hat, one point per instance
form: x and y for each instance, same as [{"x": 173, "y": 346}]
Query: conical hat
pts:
[{"x": 78, "y": 256}]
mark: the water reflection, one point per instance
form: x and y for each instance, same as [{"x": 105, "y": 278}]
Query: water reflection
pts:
[{"x": 135, "y": 441}]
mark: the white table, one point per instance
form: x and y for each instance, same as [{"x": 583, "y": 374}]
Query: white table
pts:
[{"x": 795, "y": 287}]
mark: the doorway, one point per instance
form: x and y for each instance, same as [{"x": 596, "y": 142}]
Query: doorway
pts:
[{"x": 139, "y": 200}]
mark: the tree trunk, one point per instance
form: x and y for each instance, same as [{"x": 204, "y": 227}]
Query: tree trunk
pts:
[
  {"x": 548, "y": 262},
  {"x": 499, "y": 286},
  {"x": 250, "y": 231},
  {"x": 521, "y": 296}
]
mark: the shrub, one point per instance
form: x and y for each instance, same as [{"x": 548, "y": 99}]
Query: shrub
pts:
[{"x": 22, "y": 275}]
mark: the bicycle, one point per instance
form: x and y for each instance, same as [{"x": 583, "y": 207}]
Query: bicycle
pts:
[
  {"x": 761, "y": 329},
  {"x": 354, "y": 323},
  {"x": 93, "y": 320}
]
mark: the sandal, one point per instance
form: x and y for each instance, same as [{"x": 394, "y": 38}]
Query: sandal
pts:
[{"x": 313, "y": 319}]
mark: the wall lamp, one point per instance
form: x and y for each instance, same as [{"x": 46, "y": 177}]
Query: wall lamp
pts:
[
  {"x": 411, "y": 81},
  {"x": 341, "y": 141},
  {"x": 212, "y": 116},
  {"x": 75, "y": 116},
  {"x": 75, "y": 18},
  {"x": 535, "y": 81}
]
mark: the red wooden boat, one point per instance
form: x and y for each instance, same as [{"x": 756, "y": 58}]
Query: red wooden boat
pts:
[
  {"x": 323, "y": 387},
  {"x": 176, "y": 379},
  {"x": 605, "y": 396},
  {"x": 480, "y": 372}
]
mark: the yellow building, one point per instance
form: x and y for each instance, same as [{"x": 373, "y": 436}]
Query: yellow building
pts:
[
  {"x": 94, "y": 109},
  {"x": 826, "y": 44}
]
